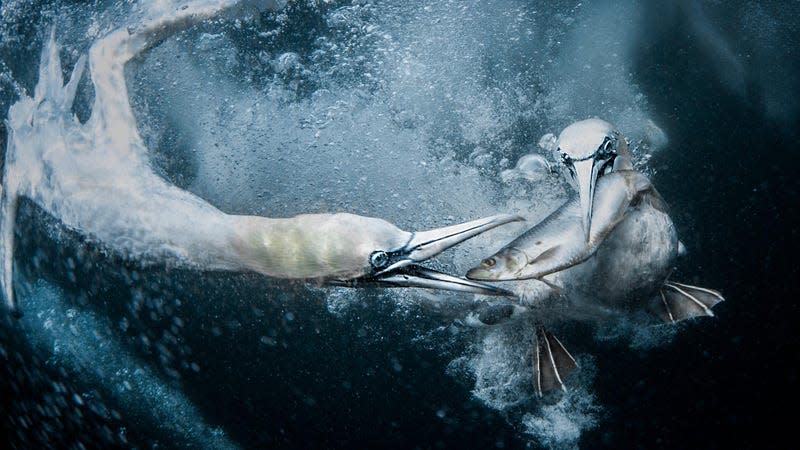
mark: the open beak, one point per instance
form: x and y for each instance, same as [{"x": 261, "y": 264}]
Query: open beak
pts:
[
  {"x": 405, "y": 271},
  {"x": 427, "y": 244},
  {"x": 586, "y": 178},
  {"x": 417, "y": 276}
]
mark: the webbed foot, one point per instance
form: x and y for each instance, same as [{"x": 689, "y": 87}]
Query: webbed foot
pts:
[
  {"x": 551, "y": 362},
  {"x": 677, "y": 301}
]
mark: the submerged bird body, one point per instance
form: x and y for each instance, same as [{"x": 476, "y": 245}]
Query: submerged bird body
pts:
[
  {"x": 557, "y": 242},
  {"x": 633, "y": 262},
  {"x": 627, "y": 261},
  {"x": 631, "y": 249},
  {"x": 606, "y": 256},
  {"x": 96, "y": 178}
]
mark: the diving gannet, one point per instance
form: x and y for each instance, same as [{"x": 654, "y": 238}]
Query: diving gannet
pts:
[
  {"x": 96, "y": 179},
  {"x": 610, "y": 250}
]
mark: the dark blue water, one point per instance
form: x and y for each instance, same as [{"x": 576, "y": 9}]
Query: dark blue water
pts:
[{"x": 290, "y": 374}]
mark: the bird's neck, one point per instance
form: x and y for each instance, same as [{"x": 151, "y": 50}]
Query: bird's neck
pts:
[
  {"x": 256, "y": 240},
  {"x": 309, "y": 246}
]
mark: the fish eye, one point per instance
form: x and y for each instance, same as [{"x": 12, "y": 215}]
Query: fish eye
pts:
[
  {"x": 489, "y": 262},
  {"x": 379, "y": 259}
]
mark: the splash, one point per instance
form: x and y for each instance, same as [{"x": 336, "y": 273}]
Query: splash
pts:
[
  {"x": 561, "y": 425},
  {"x": 502, "y": 366}
]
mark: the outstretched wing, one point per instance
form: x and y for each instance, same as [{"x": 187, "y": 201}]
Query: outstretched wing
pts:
[{"x": 50, "y": 92}]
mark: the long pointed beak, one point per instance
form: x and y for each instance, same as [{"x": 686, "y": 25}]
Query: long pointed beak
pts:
[
  {"x": 586, "y": 178},
  {"x": 424, "y": 245},
  {"x": 427, "y": 244},
  {"x": 422, "y": 277}
]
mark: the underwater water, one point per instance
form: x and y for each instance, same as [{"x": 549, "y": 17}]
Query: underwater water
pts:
[{"x": 411, "y": 111}]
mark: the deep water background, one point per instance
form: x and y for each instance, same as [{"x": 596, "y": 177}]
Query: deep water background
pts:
[
  {"x": 731, "y": 170},
  {"x": 364, "y": 379}
]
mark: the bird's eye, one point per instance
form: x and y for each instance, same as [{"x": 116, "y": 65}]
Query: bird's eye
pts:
[
  {"x": 379, "y": 259},
  {"x": 607, "y": 149}
]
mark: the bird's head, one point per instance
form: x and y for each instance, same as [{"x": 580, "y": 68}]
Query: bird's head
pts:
[
  {"x": 586, "y": 150},
  {"x": 393, "y": 256}
]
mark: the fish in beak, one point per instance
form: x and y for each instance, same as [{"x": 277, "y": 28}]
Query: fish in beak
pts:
[
  {"x": 401, "y": 267},
  {"x": 421, "y": 277}
]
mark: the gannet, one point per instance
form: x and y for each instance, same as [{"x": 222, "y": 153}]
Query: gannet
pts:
[
  {"x": 95, "y": 177},
  {"x": 610, "y": 250}
]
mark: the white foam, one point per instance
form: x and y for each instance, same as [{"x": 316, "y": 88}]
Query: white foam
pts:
[
  {"x": 561, "y": 425},
  {"x": 502, "y": 366}
]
